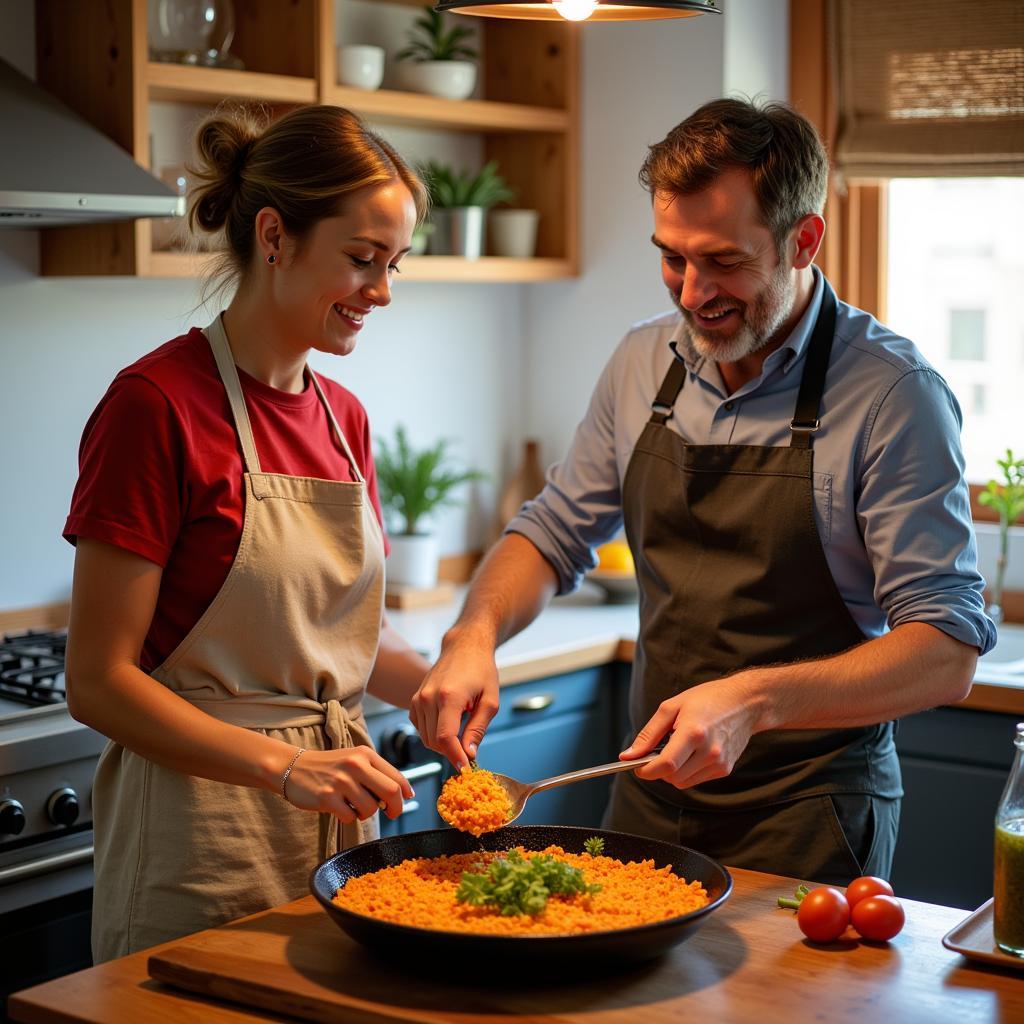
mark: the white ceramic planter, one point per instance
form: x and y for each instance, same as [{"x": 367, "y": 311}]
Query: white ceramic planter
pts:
[
  {"x": 413, "y": 560},
  {"x": 513, "y": 233},
  {"x": 450, "y": 79},
  {"x": 361, "y": 66}
]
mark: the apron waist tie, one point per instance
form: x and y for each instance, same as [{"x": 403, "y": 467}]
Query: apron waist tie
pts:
[{"x": 342, "y": 726}]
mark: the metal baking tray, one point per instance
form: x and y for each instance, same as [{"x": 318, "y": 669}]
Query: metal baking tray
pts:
[{"x": 973, "y": 939}]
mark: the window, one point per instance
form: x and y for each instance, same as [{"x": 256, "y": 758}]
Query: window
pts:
[
  {"x": 954, "y": 288},
  {"x": 967, "y": 334}
]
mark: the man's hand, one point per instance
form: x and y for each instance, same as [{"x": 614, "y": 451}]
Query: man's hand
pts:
[
  {"x": 710, "y": 725},
  {"x": 465, "y": 679}
]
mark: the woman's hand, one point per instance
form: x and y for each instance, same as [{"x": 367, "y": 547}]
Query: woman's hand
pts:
[
  {"x": 465, "y": 679},
  {"x": 347, "y": 783},
  {"x": 710, "y": 726}
]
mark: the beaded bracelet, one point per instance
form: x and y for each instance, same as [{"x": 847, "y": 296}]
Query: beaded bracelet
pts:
[{"x": 288, "y": 771}]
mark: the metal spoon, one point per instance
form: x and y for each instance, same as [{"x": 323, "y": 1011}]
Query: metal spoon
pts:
[{"x": 519, "y": 792}]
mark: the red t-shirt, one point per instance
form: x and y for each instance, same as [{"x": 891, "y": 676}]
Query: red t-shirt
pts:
[{"x": 160, "y": 470}]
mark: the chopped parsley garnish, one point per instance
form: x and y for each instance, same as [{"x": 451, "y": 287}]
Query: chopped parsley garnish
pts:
[
  {"x": 594, "y": 846},
  {"x": 514, "y": 884}
]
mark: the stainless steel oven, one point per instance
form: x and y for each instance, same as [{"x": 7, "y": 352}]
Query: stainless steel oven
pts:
[{"x": 47, "y": 762}]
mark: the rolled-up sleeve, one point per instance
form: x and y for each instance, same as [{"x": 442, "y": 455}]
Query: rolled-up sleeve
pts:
[
  {"x": 580, "y": 506},
  {"x": 914, "y": 512}
]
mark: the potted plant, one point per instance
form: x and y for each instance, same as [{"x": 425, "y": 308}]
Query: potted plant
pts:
[
  {"x": 459, "y": 202},
  {"x": 441, "y": 60},
  {"x": 413, "y": 484},
  {"x": 1006, "y": 497}
]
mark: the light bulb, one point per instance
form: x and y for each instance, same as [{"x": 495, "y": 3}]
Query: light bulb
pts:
[{"x": 575, "y": 10}]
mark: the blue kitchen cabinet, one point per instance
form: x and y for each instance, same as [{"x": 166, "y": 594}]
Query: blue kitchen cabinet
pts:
[
  {"x": 955, "y": 762},
  {"x": 543, "y": 728}
]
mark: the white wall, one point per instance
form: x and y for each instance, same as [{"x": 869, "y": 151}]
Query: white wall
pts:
[{"x": 756, "y": 58}]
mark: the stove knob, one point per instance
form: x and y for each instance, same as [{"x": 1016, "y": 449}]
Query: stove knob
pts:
[
  {"x": 403, "y": 747},
  {"x": 12, "y": 817},
  {"x": 62, "y": 807}
]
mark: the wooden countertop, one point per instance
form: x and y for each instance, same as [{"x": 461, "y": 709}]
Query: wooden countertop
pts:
[{"x": 748, "y": 962}]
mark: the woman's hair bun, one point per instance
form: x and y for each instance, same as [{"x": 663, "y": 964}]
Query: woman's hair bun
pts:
[{"x": 223, "y": 143}]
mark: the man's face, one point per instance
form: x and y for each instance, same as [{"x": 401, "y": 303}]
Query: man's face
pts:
[{"x": 722, "y": 268}]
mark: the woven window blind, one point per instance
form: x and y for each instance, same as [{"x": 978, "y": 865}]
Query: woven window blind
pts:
[{"x": 928, "y": 88}]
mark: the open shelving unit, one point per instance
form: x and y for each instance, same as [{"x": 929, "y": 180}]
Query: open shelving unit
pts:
[{"x": 94, "y": 57}]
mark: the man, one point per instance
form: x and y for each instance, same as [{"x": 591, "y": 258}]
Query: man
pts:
[{"x": 790, "y": 478}]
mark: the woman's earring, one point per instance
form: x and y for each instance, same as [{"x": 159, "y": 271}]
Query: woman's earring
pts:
[{"x": 271, "y": 258}]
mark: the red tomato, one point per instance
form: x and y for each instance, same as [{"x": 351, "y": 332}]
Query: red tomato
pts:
[
  {"x": 878, "y": 917},
  {"x": 823, "y": 914},
  {"x": 869, "y": 885}
]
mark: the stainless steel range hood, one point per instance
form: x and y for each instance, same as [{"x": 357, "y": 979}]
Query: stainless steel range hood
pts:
[{"x": 57, "y": 170}]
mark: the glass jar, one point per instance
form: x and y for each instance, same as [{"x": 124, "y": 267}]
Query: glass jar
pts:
[
  {"x": 192, "y": 32},
  {"x": 1008, "y": 888}
]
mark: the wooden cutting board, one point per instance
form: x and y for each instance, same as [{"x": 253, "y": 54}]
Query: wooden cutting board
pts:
[{"x": 748, "y": 962}]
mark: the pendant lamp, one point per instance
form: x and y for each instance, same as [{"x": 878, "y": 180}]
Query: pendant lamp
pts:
[{"x": 580, "y": 10}]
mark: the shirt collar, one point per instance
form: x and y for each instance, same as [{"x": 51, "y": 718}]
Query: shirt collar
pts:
[{"x": 786, "y": 356}]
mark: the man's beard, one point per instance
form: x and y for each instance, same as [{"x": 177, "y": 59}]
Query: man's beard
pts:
[{"x": 761, "y": 318}]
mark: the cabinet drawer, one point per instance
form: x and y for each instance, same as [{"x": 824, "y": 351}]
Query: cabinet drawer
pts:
[
  {"x": 524, "y": 703},
  {"x": 942, "y": 801},
  {"x": 959, "y": 735}
]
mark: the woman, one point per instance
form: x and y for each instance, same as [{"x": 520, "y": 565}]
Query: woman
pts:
[{"x": 227, "y": 609}]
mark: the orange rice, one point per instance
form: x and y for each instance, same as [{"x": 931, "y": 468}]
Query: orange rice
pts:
[
  {"x": 474, "y": 801},
  {"x": 420, "y": 892}
]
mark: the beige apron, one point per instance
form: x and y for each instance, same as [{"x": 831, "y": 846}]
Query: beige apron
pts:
[{"x": 286, "y": 648}]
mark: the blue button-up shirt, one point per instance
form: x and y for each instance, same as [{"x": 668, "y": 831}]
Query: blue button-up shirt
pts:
[{"x": 891, "y": 503}]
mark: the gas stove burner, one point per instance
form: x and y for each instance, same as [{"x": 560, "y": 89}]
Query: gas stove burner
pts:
[{"x": 32, "y": 668}]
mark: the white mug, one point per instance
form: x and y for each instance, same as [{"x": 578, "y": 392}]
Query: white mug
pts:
[{"x": 361, "y": 66}]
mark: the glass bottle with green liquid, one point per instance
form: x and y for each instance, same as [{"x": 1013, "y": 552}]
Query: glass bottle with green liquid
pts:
[{"x": 1008, "y": 888}]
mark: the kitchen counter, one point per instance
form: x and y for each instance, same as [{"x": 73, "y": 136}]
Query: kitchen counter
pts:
[
  {"x": 580, "y": 631},
  {"x": 748, "y": 962}
]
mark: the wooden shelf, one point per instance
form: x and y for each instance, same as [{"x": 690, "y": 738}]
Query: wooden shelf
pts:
[
  {"x": 95, "y": 58},
  {"x": 180, "y": 83},
  {"x": 417, "y": 109},
  {"x": 487, "y": 270}
]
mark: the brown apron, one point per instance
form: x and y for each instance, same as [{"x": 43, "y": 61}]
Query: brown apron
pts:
[
  {"x": 286, "y": 648},
  {"x": 733, "y": 575}
]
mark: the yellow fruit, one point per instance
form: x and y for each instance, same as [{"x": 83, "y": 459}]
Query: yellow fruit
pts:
[{"x": 615, "y": 556}]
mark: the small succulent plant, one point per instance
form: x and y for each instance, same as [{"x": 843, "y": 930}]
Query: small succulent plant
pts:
[
  {"x": 449, "y": 188},
  {"x": 431, "y": 39}
]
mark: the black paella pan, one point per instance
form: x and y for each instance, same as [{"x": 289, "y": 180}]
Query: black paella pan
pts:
[{"x": 624, "y": 945}]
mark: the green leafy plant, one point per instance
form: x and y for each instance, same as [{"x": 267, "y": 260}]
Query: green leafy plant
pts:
[
  {"x": 515, "y": 884},
  {"x": 594, "y": 846},
  {"x": 431, "y": 39},
  {"x": 449, "y": 188},
  {"x": 413, "y": 483},
  {"x": 1006, "y": 498}
]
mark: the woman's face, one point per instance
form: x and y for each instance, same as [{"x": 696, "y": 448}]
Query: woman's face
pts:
[{"x": 326, "y": 288}]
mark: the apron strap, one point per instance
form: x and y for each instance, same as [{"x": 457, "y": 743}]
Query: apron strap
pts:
[
  {"x": 812, "y": 384},
  {"x": 233, "y": 386},
  {"x": 337, "y": 426},
  {"x": 661, "y": 407}
]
